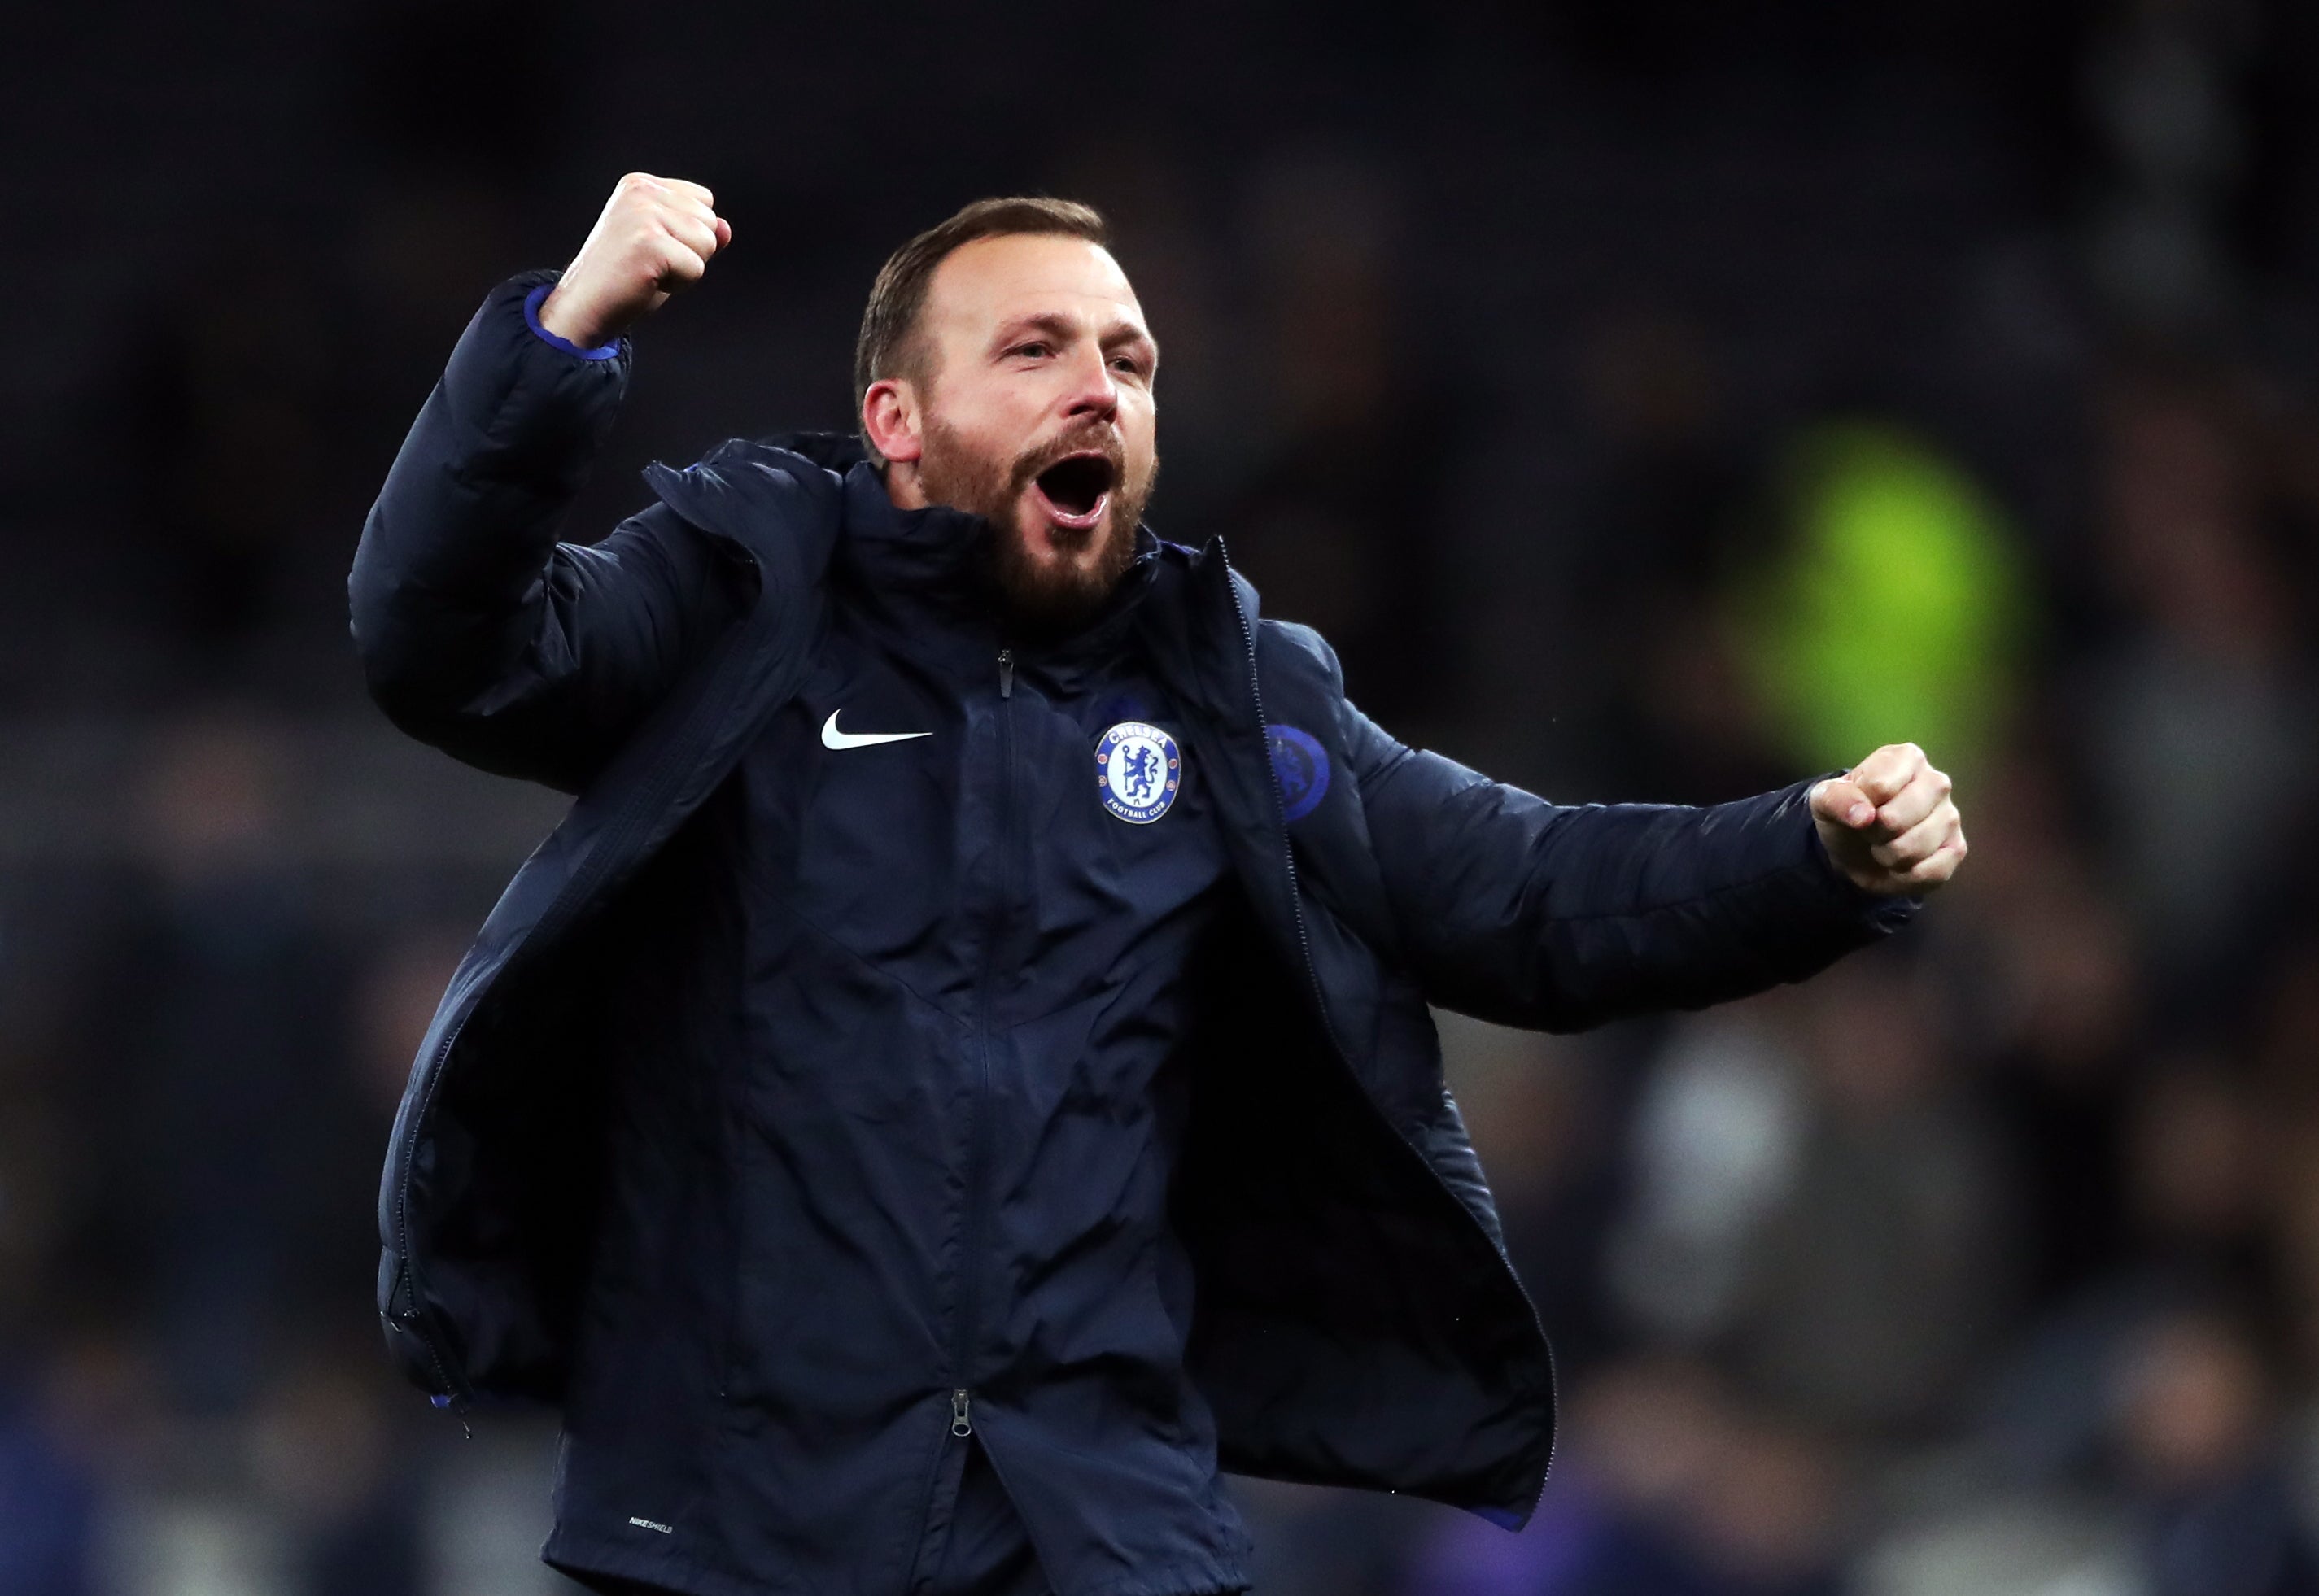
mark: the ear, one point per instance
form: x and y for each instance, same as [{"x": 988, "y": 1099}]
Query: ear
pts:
[{"x": 892, "y": 421}]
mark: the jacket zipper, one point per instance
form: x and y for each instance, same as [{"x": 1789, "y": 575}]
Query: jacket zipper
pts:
[
  {"x": 962, "y": 1395},
  {"x": 970, "y": 1247},
  {"x": 1280, "y": 813},
  {"x": 457, "y": 1395},
  {"x": 1312, "y": 971}
]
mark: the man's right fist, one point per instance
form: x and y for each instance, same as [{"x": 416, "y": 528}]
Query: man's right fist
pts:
[{"x": 656, "y": 236}]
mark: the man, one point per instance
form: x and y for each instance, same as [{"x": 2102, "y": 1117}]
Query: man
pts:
[{"x": 961, "y": 1070}]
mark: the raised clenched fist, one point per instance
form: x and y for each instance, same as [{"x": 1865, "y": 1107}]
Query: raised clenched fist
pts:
[
  {"x": 1889, "y": 824},
  {"x": 654, "y": 237}
]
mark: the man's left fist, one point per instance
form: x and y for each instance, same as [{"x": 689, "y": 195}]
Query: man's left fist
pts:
[{"x": 1888, "y": 821}]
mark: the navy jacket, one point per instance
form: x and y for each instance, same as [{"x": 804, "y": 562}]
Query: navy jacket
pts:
[{"x": 798, "y": 1107}]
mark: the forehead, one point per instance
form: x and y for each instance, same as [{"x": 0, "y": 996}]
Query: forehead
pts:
[{"x": 981, "y": 284}]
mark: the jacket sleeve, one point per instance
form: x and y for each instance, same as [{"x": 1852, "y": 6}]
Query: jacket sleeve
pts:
[
  {"x": 478, "y": 631},
  {"x": 1559, "y": 917}
]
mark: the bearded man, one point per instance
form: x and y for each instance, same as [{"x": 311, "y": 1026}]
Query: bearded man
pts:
[{"x": 960, "y": 1074}]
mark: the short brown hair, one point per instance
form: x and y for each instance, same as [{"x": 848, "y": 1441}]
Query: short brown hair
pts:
[{"x": 889, "y": 346}]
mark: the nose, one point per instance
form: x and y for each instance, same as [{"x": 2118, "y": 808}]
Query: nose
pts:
[{"x": 1093, "y": 392}]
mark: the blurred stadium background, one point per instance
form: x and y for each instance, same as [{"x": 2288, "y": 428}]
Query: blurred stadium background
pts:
[{"x": 1651, "y": 399}]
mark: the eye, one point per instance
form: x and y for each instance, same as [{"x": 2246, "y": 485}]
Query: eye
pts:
[{"x": 1034, "y": 348}]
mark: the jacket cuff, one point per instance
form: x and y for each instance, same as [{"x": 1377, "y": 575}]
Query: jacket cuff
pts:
[
  {"x": 509, "y": 382},
  {"x": 531, "y": 303}
]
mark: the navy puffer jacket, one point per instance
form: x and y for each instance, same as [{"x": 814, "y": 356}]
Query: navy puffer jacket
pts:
[{"x": 683, "y": 1055}]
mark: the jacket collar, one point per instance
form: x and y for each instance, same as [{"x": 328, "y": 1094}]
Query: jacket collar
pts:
[{"x": 926, "y": 571}]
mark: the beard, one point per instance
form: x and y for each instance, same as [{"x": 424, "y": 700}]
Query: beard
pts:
[{"x": 1050, "y": 596}]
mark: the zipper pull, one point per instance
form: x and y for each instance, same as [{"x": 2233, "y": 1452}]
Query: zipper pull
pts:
[
  {"x": 960, "y": 1424},
  {"x": 450, "y": 1404},
  {"x": 1006, "y": 691}
]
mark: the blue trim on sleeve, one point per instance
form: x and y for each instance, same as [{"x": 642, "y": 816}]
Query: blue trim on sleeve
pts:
[{"x": 531, "y": 303}]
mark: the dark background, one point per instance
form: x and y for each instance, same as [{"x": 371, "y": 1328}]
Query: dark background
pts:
[{"x": 1651, "y": 399}]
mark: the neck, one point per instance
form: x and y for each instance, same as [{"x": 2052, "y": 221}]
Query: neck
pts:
[{"x": 902, "y": 484}]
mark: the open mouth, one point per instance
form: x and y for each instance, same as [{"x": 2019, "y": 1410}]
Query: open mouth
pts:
[{"x": 1076, "y": 490}]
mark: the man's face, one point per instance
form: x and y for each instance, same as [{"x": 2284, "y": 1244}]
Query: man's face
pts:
[{"x": 1036, "y": 412}]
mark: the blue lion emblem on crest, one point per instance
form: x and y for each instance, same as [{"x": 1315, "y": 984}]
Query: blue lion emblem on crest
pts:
[{"x": 1142, "y": 773}]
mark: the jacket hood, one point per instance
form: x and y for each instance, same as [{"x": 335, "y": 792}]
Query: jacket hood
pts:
[{"x": 832, "y": 451}]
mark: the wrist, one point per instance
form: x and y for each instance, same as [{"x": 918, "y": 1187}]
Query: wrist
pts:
[
  {"x": 566, "y": 315},
  {"x": 561, "y": 320}
]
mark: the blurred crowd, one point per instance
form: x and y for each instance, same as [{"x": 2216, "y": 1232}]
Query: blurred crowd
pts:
[{"x": 1649, "y": 402}]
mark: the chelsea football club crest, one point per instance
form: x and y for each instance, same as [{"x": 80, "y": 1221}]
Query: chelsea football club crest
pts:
[{"x": 1139, "y": 768}]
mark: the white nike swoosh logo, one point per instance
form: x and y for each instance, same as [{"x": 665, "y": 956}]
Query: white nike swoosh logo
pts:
[{"x": 831, "y": 737}]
